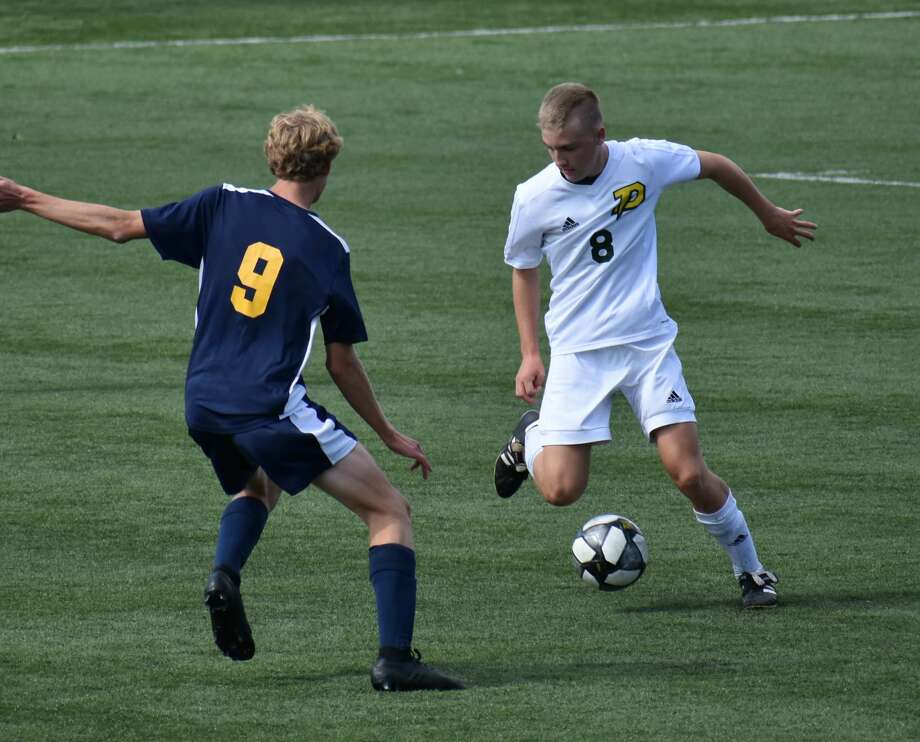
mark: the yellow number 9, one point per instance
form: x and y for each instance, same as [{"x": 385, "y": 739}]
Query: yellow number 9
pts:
[{"x": 260, "y": 283}]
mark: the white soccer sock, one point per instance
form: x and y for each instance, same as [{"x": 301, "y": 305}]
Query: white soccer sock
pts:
[
  {"x": 728, "y": 527},
  {"x": 532, "y": 445}
]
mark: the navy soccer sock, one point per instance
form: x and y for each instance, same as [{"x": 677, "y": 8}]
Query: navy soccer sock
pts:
[
  {"x": 393, "y": 577},
  {"x": 240, "y": 528}
]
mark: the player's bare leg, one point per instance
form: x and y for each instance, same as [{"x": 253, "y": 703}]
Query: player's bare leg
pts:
[
  {"x": 679, "y": 449},
  {"x": 561, "y": 473},
  {"x": 358, "y": 483},
  {"x": 715, "y": 508},
  {"x": 250, "y": 508},
  {"x": 261, "y": 488}
]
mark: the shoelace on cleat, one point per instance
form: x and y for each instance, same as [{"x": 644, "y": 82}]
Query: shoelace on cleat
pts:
[
  {"x": 509, "y": 459},
  {"x": 763, "y": 579}
]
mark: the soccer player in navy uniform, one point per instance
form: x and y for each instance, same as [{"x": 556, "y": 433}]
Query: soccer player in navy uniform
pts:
[{"x": 271, "y": 272}]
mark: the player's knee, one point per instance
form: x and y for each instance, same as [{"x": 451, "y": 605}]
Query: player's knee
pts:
[
  {"x": 406, "y": 508},
  {"x": 562, "y": 493},
  {"x": 689, "y": 477},
  {"x": 261, "y": 488},
  {"x": 394, "y": 506}
]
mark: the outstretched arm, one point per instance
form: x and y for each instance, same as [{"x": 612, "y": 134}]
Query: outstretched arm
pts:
[
  {"x": 349, "y": 376},
  {"x": 779, "y": 222},
  {"x": 114, "y": 224},
  {"x": 525, "y": 287}
]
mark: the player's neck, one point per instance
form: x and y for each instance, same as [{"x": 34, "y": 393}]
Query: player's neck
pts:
[
  {"x": 302, "y": 193},
  {"x": 600, "y": 161}
]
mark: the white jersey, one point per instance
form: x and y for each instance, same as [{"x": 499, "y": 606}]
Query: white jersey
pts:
[{"x": 601, "y": 244}]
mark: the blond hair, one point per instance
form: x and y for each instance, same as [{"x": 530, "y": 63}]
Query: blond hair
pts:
[
  {"x": 301, "y": 144},
  {"x": 570, "y": 100}
]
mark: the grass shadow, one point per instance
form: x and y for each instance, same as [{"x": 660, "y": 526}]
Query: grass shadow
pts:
[
  {"x": 830, "y": 600},
  {"x": 490, "y": 676}
]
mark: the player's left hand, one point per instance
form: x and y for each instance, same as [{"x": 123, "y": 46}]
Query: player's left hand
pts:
[
  {"x": 787, "y": 226},
  {"x": 411, "y": 449},
  {"x": 11, "y": 194}
]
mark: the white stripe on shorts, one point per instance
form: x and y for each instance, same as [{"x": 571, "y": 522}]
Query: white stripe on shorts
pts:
[{"x": 336, "y": 443}]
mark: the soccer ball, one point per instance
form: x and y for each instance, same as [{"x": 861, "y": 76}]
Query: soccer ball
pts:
[{"x": 610, "y": 552}]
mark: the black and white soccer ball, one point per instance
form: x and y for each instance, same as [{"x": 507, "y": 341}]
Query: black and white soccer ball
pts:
[{"x": 610, "y": 552}]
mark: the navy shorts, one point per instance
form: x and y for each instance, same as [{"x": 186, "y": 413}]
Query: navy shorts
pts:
[{"x": 292, "y": 451}]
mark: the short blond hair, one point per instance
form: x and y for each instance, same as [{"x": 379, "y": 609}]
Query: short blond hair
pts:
[
  {"x": 566, "y": 99},
  {"x": 301, "y": 144}
]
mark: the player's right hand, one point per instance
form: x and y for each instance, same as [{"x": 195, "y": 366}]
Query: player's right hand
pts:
[
  {"x": 11, "y": 194},
  {"x": 529, "y": 380},
  {"x": 410, "y": 448}
]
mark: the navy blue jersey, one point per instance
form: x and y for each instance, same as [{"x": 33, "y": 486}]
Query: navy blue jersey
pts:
[{"x": 268, "y": 272}]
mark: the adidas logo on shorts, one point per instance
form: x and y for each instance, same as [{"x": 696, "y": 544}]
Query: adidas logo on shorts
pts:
[
  {"x": 674, "y": 397},
  {"x": 569, "y": 224}
]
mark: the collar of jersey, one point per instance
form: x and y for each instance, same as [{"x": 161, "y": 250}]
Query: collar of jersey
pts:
[{"x": 283, "y": 200}]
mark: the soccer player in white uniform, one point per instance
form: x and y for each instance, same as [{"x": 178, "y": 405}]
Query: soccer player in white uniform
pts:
[{"x": 591, "y": 214}]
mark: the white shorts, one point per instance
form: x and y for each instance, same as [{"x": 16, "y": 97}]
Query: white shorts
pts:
[{"x": 580, "y": 387}]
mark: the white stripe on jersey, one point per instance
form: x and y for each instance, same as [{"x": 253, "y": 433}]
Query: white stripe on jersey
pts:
[
  {"x": 237, "y": 189},
  {"x": 329, "y": 229},
  {"x": 200, "y": 281},
  {"x": 303, "y": 363}
]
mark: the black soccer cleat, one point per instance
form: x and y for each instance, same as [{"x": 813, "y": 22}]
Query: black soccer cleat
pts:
[
  {"x": 232, "y": 634},
  {"x": 408, "y": 672},
  {"x": 757, "y": 590},
  {"x": 510, "y": 467}
]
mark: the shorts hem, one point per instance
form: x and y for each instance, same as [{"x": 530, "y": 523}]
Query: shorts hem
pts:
[
  {"x": 332, "y": 458},
  {"x": 574, "y": 437},
  {"x": 667, "y": 418},
  {"x": 342, "y": 451}
]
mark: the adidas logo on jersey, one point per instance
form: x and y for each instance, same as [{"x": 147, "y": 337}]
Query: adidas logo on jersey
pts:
[
  {"x": 674, "y": 397},
  {"x": 569, "y": 224}
]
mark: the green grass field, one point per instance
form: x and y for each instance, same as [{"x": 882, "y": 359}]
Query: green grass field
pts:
[{"x": 803, "y": 365}]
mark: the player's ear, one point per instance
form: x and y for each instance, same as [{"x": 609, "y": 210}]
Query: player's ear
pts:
[{"x": 602, "y": 134}]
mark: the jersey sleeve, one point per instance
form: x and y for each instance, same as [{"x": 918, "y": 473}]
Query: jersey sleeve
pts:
[
  {"x": 342, "y": 321},
  {"x": 179, "y": 230},
  {"x": 671, "y": 163},
  {"x": 524, "y": 246}
]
